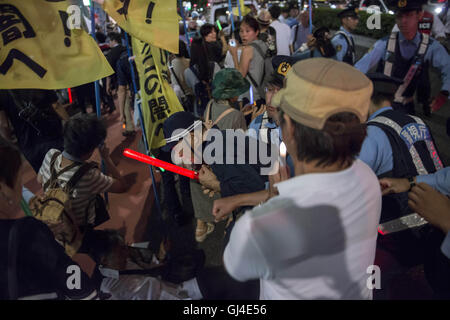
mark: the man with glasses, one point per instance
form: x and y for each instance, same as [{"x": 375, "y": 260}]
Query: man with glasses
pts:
[
  {"x": 406, "y": 55},
  {"x": 343, "y": 39}
]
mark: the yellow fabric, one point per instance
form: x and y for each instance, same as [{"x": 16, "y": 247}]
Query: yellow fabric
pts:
[
  {"x": 38, "y": 50},
  {"x": 244, "y": 10},
  {"x": 159, "y": 101},
  {"x": 152, "y": 21}
]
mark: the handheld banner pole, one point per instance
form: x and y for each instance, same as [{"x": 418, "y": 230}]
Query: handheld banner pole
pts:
[
  {"x": 310, "y": 16},
  {"x": 185, "y": 27},
  {"x": 230, "y": 9},
  {"x": 97, "y": 87},
  {"x": 240, "y": 9},
  {"x": 141, "y": 119}
]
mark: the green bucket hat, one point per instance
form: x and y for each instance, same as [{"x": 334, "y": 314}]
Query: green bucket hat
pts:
[{"x": 229, "y": 83}]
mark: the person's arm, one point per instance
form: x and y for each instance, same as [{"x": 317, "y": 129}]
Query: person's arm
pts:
[
  {"x": 223, "y": 207},
  {"x": 371, "y": 58},
  {"x": 60, "y": 111},
  {"x": 340, "y": 44},
  {"x": 440, "y": 60},
  {"x": 246, "y": 57},
  {"x": 431, "y": 204},
  {"x": 119, "y": 185},
  {"x": 242, "y": 258},
  {"x": 224, "y": 43},
  {"x": 440, "y": 180}
]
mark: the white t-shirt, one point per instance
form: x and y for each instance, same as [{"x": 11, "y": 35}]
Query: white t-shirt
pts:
[
  {"x": 283, "y": 33},
  {"x": 229, "y": 63},
  {"x": 313, "y": 241}
]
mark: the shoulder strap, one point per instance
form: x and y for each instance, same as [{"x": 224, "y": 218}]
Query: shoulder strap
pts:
[
  {"x": 223, "y": 114},
  {"x": 258, "y": 48},
  {"x": 261, "y": 53},
  {"x": 53, "y": 175},
  {"x": 178, "y": 80},
  {"x": 82, "y": 170},
  {"x": 390, "y": 52},
  {"x": 208, "y": 111},
  {"x": 13, "y": 245}
]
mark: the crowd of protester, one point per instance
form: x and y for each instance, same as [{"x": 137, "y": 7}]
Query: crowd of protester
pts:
[{"x": 357, "y": 160}]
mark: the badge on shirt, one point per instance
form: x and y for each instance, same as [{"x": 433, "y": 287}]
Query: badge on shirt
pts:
[{"x": 338, "y": 47}]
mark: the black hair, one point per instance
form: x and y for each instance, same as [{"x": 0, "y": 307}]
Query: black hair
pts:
[
  {"x": 183, "y": 52},
  {"x": 236, "y": 34},
  {"x": 275, "y": 11},
  {"x": 206, "y": 29},
  {"x": 251, "y": 22},
  {"x": 114, "y": 36},
  {"x": 324, "y": 44},
  {"x": 378, "y": 97},
  {"x": 11, "y": 162},
  {"x": 82, "y": 134},
  {"x": 100, "y": 36},
  {"x": 340, "y": 140}
]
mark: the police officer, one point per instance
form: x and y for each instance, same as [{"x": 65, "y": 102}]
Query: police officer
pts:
[
  {"x": 398, "y": 146},
  {"x": 407, "y": 55},
  {"x": 343, "y": 39}
]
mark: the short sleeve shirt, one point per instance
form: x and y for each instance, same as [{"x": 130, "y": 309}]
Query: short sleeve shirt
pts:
[{"x": 83, "y": 194}]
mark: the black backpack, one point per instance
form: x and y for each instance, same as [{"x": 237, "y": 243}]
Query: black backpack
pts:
[{"x": 202, "y": 89}]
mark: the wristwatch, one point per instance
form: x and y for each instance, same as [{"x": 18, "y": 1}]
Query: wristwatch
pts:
[{"x": 411, "y": 183}]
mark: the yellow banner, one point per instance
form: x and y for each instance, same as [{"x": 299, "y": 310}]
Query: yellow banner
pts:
[
  {"x": 152, "y": 21},
  {"x": 41, "y": 47},
  {"x": 159, "y": 101}
]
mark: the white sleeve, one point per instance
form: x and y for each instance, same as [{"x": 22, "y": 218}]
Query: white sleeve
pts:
[
  {"x": 438, "y": 28},
  {"x": 242, "y": 258}
]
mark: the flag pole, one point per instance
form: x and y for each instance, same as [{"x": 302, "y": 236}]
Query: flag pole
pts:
[
  {"x": 97, "y": 86},
  {"x": 141, "y": 119},
  {"x": 230, "y": 8},
  {"x": 240, "y": 10},
  {"x": 310, "y": 16},
  {"x": 185, "y": 27}
]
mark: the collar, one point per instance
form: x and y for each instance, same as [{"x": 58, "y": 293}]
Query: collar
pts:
[
  {"x": 415, "y": 40},
  {"x": 345, "y": 30},
  {"x": 291, "y": 185},
  {"x": 376, "y": 113},
  {"x": 70, "y": 157}
]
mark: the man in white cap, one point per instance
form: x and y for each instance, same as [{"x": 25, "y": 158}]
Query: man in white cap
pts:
[{"x": 317, "y": 238}]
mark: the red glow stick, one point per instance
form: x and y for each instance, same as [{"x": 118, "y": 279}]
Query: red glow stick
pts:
[
  {"x": 70, "y": 95},
  {"x": 159, "y": 163}
]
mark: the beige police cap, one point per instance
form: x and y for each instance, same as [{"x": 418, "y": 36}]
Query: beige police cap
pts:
[{"x": 318, "y": 88}]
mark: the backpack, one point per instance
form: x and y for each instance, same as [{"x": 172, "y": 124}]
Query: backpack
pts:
[
  {"x": 267, "y": 71},
  {"x": 202, "y": 90},
  {"x": 208, "y": 122},
  {"x": 54, "y": 207},
  {"x": 270, "y": 39}
]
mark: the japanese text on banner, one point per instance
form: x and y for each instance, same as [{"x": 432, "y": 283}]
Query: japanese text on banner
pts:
[
  {"x": 39, "y": 50},
  {"x": 159, "y": 101}
]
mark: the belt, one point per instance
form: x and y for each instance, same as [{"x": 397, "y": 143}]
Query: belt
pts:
[{"x": 407, "y": 222}]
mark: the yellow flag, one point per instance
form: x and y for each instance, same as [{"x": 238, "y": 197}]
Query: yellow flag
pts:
[
  {"x": 159, "y": 101},
  {"x": 40, "y": 49},
  {"x": 152, "y": 21}
]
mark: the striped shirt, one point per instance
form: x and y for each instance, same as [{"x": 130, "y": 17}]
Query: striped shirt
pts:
[{"x": 84, "y": 192}]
